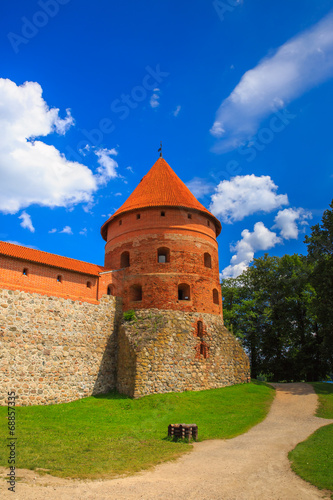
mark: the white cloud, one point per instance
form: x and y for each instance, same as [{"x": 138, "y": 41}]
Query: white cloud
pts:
[
  {"x": 297, "y": 66},
  {"x": 31, "y": 171},
  {"x": 52, "y": 231},
  {"x": 260, "y": 239},
  {"x": 130, "y": 169},
  {"x": 154, "y": 100},
  {"x": 286, "y": 219},
  {"x": 62, "y": 125},
  {"x": 176, "y": 111},
  {"x": 26, "y": 222},
  {"x": 107, "y": 165},
  {"x": 245, "y": 195},
  {"x": 83, "y": 231},
  {"x": 67, "y": 230},
  {"x": 199, "y": 187}
]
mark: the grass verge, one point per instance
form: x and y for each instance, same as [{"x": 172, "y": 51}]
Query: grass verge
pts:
[
  {"x": 313, "y": 459},
  {"x": 109, "y": 435}
]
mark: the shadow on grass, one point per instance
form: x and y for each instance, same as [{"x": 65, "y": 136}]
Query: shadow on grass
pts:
[
  {"x": 111, "y": 395},
  {"x": 260, "y": 382},
  {"x": 322, "y": 388}
]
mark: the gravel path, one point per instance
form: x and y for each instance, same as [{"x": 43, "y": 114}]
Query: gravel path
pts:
[{"x": 253, "y": 466}]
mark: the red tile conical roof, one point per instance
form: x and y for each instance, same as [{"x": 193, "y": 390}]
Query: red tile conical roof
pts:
[{"x": 161, "y": 187}]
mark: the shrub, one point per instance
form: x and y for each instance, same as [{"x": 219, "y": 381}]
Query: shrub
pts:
[{"x": 129, "y": 315}]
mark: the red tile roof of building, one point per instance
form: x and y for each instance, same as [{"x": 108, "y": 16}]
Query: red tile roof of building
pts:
[
  {"x": 161, "y": 187},
  {"x": 49, "y": 259}
]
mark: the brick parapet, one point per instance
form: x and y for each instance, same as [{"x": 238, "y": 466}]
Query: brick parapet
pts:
[{"x": 43, "y": 279}]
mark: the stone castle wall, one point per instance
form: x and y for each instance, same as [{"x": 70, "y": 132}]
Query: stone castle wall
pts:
[
  {"x": 162, "y": 351},
  {"x": 55, "y": 350}
]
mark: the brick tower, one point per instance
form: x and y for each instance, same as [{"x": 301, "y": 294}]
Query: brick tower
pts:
[{"x": 162, "y": 248}]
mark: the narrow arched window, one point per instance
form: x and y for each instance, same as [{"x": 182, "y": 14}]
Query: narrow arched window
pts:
[
  {"x": 110, "y": 290},
  {"x": 136, "y": 293},
  {"x": 163, "y": 255},
  {"x": 25, "y": 271},
  {"x": 184, "y": 292},
  {"x": 215, "y": 296},
  {"x": 59, "y": 278},
  {"x": 125, "y": 259},
  {"x": 207, "y": 260}
]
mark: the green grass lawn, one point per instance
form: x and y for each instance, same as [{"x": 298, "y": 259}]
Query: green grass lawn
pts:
[
  {"x": 313, "y": 459},
  {"x": 104, "y": 436}
]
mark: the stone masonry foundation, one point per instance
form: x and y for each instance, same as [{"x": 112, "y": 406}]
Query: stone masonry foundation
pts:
[{"x": 166, "y": 351}]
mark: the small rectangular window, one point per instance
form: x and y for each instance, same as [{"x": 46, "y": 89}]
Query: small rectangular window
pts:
[
  {"x": 120, "y": 222},
  {"x": 189, "y": 216},
  {"x": 162, "y": 214},
  {"x": 138, "y": 216},
  {"x": 208, "y": 223}
]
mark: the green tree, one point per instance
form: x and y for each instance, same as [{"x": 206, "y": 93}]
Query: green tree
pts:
[
  {"x": 270, "y": 307},
  {"x": 320, "y": 254}
]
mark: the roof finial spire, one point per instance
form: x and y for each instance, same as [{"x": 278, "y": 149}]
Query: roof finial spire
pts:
[{"x": 160, "y": 150}]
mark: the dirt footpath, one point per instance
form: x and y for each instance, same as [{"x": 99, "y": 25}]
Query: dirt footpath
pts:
[{"x": 253, "y": 466}]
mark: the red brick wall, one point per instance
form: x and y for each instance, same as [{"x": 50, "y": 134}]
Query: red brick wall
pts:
[
  {"x": 187, "y": 239},
  {"x": 175, "y": 220},
  {"x": 43, "y": 279}
]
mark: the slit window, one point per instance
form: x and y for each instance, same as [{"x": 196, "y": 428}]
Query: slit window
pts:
[
  {"x": 189, "y": 216},
  {"x": 120, "y": 222},
  {"x": 184, "y": 292},
  {"x": 215, "y": 296},
  {"x": 200, "y": 331},
  {"x": 208, "y": 223},
  {"x": 110, "y": 290},
  {"x": 59, "y": 278},
  {"x": 204, "y": 349},
  {"x": 138, "y": 216},
  {"x": 162, "y": 214},
  {"x": 124, "y": 260},
  {"x": 163, "y": 255},
  {"x": 207, "y": 260},
  {"x": 88, "y": 284},
  {"x": 25, "y": 271},
  {"x": 136, "y": 293}
]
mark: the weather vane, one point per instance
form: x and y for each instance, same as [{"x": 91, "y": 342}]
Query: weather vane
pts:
[{"x": 160, "y": 150}]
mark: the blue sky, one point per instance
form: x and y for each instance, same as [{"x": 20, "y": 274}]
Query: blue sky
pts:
[{"x": 239, "y": 92}]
